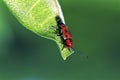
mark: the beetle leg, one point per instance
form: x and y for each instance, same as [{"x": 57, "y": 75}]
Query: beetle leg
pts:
[
  {"x": 54, "y": 29},
  {"x": 63, "y": 42},
  {"x": 63, "y": 47},
  {"x": 59, "y": 34},
  {"x": 71, "y": 50}
]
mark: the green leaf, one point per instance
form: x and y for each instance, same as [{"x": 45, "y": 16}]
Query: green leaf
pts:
[{"x": 39, "y": 17}]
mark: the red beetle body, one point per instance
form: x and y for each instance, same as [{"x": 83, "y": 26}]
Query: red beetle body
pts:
[{"x": 64, "y": 33}]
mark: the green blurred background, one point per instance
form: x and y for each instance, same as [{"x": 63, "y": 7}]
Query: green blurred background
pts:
[{"x": 95, "y": 26}]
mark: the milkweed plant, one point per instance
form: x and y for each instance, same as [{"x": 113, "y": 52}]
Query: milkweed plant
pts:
[{"x": 38, "y": 16}]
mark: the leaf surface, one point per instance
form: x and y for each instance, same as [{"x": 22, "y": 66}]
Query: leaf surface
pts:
[{"x": 39, "y": 16}]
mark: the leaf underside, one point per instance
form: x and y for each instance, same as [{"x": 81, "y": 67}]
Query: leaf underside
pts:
[{"x": 39, "y": 17}]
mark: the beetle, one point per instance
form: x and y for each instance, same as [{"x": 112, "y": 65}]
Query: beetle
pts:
[{"x": 64, "y": 34}]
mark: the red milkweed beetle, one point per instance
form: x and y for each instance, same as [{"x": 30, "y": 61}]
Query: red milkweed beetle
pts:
[{"x": 64, "y": 34}]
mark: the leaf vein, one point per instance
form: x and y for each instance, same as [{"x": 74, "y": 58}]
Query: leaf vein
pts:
[{"x": 29, "y": 11}]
